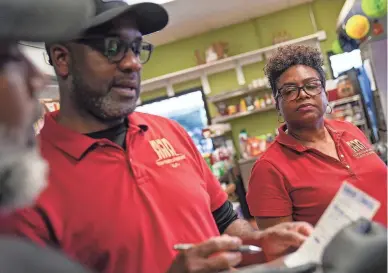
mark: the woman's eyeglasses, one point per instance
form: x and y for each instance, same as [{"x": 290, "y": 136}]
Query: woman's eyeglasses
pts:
[
  {"x": 115, "y": 48},
  {"x": 290, "y": 92}
]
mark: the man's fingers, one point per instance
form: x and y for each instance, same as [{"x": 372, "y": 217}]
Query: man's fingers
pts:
[
  {"x": 224, "y": 261},
  {"x": 291, "y": 238},
  {"x": 217, "y": 244},
  {"x": 303, "y": 228}
]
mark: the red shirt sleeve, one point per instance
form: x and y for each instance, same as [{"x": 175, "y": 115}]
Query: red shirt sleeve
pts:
[
  {"x": 217, "y": 195},
  {"x": 28, "y": 223},
  {"x": 267, "y": 194}
]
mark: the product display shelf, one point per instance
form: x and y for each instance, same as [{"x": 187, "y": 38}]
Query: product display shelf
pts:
[
  {"x": 219, "y": 134},
  {"x": 236, "y": 63},
  {"x": 221, "y": 119},
  {"x": 248, "y": 160},
  {"x": 341, "y": 106},
  {"x": 345, "y": 100},
  {"x": 359, "y": 122},
  {"x": 237, "y": 93}
]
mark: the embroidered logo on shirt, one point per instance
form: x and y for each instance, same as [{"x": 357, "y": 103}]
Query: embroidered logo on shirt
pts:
[
  {"x": 359, "y": 149},
  {"x": 166, "y": 153}
]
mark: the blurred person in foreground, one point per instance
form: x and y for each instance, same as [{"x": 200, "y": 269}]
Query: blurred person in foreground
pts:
[
  {"x": 125, "y": 187},
  {"x": 22, "y": 169},
  {"x": 300, "y": 173}
]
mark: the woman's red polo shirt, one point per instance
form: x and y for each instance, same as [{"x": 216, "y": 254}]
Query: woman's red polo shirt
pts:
[{"x": 290, "y": 179}]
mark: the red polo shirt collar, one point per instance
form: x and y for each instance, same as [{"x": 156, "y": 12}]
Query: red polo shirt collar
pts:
[
  {"x": 76, "y": 144},
  {"x": 288, "y": 141}
]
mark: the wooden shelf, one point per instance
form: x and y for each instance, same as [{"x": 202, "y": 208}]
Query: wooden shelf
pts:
[
  {"x": 234, "y": 62},
  {"x": 248, "y": 160},
  {"x": 359, "y": 122},
  {"x": 345, "y": 100},
  {"x": 242, "y": 114},
  {"x": 233, "y": 94},
  {"x": 219, "y": 135}
]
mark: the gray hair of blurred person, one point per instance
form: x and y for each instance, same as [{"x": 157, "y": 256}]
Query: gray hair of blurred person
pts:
[{"x": 22, "y": 169}]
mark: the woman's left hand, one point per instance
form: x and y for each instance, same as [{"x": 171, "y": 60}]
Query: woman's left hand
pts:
[{"x": 283, "y": 238}]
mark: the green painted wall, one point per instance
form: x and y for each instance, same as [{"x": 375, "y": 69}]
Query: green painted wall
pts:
[{"x": 243, "y": 37}]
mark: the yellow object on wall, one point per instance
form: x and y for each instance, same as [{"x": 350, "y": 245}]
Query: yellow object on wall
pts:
[
  {"x": 357, "y": 27},
  {"x": 374, "y": 8}
]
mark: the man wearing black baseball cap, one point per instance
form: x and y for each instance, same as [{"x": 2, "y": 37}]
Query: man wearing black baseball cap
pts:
[
  {"x": 149, "y": 17},
  {"x": 125, "y": 187},
  {"x": 22, "y": 169}
]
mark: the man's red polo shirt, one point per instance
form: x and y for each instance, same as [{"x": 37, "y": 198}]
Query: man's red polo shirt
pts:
[
  {"x": 122, "y": 211},
  {"x": 290, "y": 179}
]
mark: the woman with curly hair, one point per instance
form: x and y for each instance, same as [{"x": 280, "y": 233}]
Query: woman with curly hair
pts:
[{"x": 299, "y": 174}]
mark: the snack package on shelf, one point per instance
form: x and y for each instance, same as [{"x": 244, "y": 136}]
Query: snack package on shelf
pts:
[
  {"x": 222, "y": 108},
  {"x": 242, "y": 139},
  {"x": 257, "y": 145},
  {"x": 215, "y": 130},
  {"x": 243, "y": 106},
  {"x": 254, "y": 146},
  {"x": 349, "y": 112},
  {"x": 246, "y": 104},
  {"x": 250, "y": 103},
  {"x": 221, "y": 160}
]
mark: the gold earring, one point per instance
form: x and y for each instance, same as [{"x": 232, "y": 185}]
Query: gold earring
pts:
[{"x": 279, "y": 116}]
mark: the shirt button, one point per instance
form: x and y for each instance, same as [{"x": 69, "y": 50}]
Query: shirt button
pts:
[
  {"x": 342, "y": 156},
  {"x": 347, "y": 167}
]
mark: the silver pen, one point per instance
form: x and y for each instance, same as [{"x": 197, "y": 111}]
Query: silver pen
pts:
[{"x": 249, "y": 249}]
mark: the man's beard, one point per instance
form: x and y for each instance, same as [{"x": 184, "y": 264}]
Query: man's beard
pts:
[
  {"x": 101, "y": 105},
  {"x": 23, "y": 173}
]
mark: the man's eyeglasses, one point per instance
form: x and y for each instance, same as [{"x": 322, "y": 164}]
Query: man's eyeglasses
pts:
[
  {"x": 115, "y": 48},
  {"x": 290, "y": 92}
]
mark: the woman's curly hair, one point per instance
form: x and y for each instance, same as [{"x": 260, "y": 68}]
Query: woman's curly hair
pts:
[{"x": 287, "y": 56}]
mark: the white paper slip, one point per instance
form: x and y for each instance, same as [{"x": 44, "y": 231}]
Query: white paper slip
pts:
[{"x": 348, "y": 205}]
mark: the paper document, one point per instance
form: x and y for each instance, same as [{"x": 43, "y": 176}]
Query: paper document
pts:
[{"x": 348, "y": 205}]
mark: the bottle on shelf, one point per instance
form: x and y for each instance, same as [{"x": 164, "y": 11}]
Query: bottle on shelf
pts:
[
  {"x": 268, "y": 100},
  {"x": 243, "y": 138},
  {"x": 257, "y": 103},
  {"x": 262, "y": 103},
  {"x": 250, "y": 103},
  {"x": 243, "y": 105}
]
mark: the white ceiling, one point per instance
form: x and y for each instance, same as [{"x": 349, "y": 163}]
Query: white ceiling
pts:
[{"x": 192, "y": 17}]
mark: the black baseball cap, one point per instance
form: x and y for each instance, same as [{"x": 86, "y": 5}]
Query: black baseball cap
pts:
[
  {"x": 150, "y": 17},
  {"x": 43, "y": 20}
]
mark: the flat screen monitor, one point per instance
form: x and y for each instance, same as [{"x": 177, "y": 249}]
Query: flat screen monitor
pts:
[
  {"x": 340, "y": 63},
  {"x": 189, "y": 109}
]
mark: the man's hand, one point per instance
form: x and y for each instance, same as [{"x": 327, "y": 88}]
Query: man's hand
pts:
[
  {"x": 210, "y": 256},
  {"x": 307, "y": 268},
  {"x": 283, "y": 239}
]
